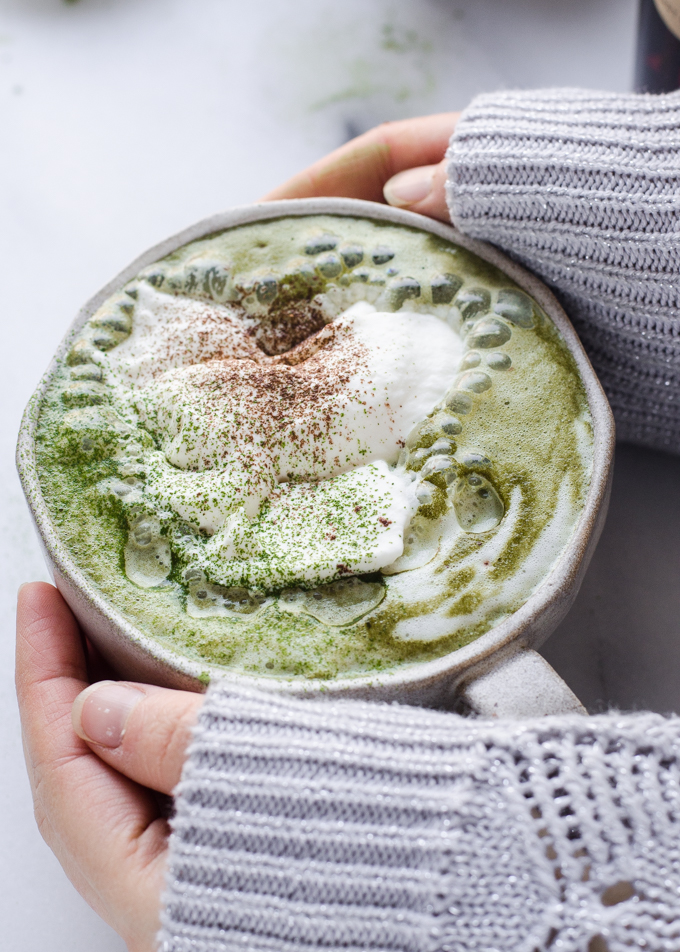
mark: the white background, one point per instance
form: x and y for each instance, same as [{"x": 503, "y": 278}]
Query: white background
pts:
[{"x": 122, "y": 121}]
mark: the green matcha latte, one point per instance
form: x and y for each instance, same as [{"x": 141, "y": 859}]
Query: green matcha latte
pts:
[{"x": 320, "y": 446}]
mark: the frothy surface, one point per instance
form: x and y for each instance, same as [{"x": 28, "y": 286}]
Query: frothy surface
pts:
[
  {"x": 351, "y": 524},
  {"x": 234, "y": 426},
  {"x": 170, "y": 332},
  {"x": 348, "y": 395},
  {"x": 164, "y": 449}
]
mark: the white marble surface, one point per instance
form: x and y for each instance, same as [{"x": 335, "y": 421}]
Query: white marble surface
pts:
[{"x": 125, "y": 120}]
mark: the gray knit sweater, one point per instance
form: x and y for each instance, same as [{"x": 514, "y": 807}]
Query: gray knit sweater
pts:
[
  {"x": 329, "y": 825},
  {"x": 584, "y": 189}
]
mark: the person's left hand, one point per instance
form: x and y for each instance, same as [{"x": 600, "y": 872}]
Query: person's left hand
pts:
[
  {"x": 93, "y": 769},
  {"x": 401, "y": 163}
]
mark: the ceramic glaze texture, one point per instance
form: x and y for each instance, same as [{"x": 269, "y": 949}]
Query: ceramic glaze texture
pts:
[{"x": 506, "y": 466}]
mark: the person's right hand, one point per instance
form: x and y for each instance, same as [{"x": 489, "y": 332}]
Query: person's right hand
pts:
[
  {"x": 95, "y": 756},
  {"x": 401, "y": 163}
]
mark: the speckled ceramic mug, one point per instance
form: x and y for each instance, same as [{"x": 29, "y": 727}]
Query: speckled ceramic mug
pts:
[{"x": 499, "y": 674}]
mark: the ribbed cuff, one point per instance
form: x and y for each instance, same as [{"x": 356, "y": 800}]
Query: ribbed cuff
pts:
[
  {"x": 584, "y": 189},
  {"x": 334, "y": 825}
]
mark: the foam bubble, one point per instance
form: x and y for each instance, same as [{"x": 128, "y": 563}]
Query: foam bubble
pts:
[
  {"x": 352, "y": 255},
  {"x": 443, "y": 445},
  {"x": 329, "y": 265},
  {"x": 304, "y": 269},
  {"x": 473, "y": 459},
  {"x": 450, "y": 425},
  {"x": 489, "y": 333},
  {"x": 444, "y": 287},
  {"x": 478, "y": 506},
  {"x": 87, "y": 372},
  {"x": 206, "y": 600},
  {"x": 471, "y": 359},
  {"x": 116, "y": 319},
  {"x": 472, "y": 301},
  {"x": 267, "y": 289},
  {"x": 441, "y": 470},
  {"x": 336, "y": 604},
  {"x": 424, "y": 494},
  {"x": 381, "y": 254},
  {"x": 515, "y": 306},
  {"x": 459, "y": 402},
  {"x": 499, "y": 361},
  {"x": 476, "y": 381},
  {"x": 83, "y": 352},
  {"x": 401, "y": 290},
  {"x": 148, "y": 559},
  {"x": 85, "y": 393},
  {"x": 320, "y": 243},
  {"x": 421, "y": 545}
]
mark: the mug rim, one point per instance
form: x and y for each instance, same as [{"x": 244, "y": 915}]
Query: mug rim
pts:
[{"x": 516, "y": 628}]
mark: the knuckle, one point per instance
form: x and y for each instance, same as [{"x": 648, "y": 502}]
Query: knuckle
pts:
[
  {"x": 171, "y": 747},
  {"x": 158, "y": 739}
]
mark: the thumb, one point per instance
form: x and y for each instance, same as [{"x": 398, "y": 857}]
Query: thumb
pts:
[
  {"x": 141, "y": 730},
  {"x": 421, "y": 190}
]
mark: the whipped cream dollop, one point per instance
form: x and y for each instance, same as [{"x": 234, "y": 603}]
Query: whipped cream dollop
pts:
[{"x": 286, "y": 461}]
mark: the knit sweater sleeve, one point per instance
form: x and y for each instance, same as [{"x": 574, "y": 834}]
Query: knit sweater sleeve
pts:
[
  {"x": 328, "y": 825},
  {"x": 584, "y": 189}
]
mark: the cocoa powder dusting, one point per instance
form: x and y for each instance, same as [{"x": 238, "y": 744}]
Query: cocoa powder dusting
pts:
[
  {"x": 253, "y": 407},
  {"x": 291, "y": 397},
  {"x": 283, "y": 329}
]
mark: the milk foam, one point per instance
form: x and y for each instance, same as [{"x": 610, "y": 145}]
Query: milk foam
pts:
[
  {"x": 353, "y": 523},
  {"x": 284, "y": 460},
  {"x": 170, "y": 332}
]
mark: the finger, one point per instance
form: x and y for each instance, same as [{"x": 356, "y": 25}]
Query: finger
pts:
[
  {"x": 50, "y": 672},
  {"x": 141, "y": 730},
  {"x": 360, "y": 168},
  {"x": 420, "y": 190},
  {"x": 104, "y": 829}
]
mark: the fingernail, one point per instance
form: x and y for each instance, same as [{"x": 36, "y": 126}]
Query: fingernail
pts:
[
  {"x": 101, "y": 712},
  {"x": 409, "y": 187}
]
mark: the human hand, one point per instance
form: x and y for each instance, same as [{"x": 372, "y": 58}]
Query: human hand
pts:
[
  {"x": 93, "y": 798},
  {"x": 401, "y": 163}
]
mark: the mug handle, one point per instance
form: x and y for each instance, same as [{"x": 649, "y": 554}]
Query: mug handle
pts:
[{"x": 521, "y": 684}]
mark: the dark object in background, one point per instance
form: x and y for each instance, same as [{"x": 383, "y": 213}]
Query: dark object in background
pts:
[{"x": 657, "y": 61}]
